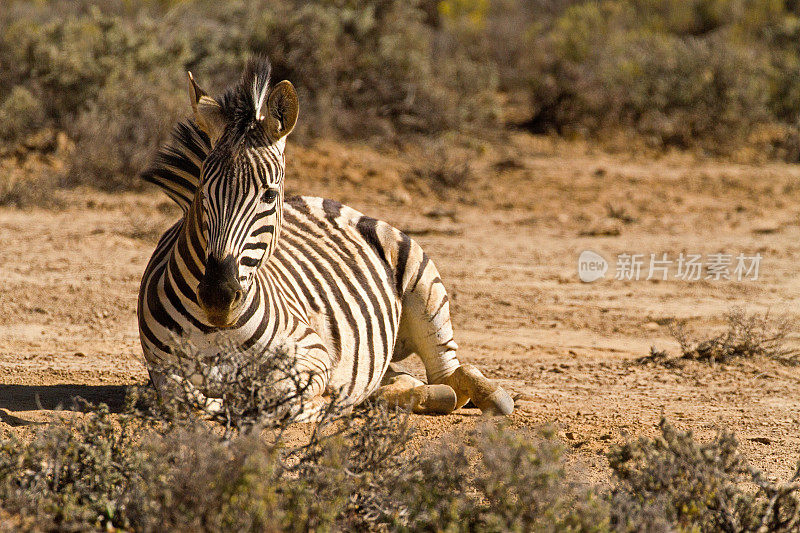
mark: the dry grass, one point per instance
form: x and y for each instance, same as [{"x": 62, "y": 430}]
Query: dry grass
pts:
[
  {"x": 745, "y": 336},
  {"x": 444, "y": 166}
]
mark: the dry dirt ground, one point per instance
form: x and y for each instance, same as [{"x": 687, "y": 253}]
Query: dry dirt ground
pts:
[{"x": 507, "y": 245}]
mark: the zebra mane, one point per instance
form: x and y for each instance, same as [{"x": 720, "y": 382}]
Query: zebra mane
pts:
[
  {"x": 177, "y": 166},
  {"x": 243, "y": 106}
]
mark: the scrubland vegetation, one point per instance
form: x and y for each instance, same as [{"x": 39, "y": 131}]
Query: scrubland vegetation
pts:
[
  {"x": 714, "y": 75},
  {"x": 138, "y": 472},
  {"x": 169, "y": 463},
  {"x": 745, "y": 335}
]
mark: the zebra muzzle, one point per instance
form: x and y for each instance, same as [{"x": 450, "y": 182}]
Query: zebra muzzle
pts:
[{"x": 220, "y": 292}]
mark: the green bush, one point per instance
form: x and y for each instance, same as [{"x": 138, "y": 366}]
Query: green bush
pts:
[
  {"x": 103, "y": 79},
  {"x": 71, "y": 476},
  {"x": 711, "y": 74},
  {"x": 133, "y": 471},
  {"x": 373, "y": 64},
  {"x": 501, "y": 481},
  {"x": 700, "y": 73},
  {"x": 99, "y": 471},
  {"x": 112, "y": 74},
  {"x": 20, "y": 112},
  {"x": 674, "y": 480},
  {"x": 677, "y": 80}
]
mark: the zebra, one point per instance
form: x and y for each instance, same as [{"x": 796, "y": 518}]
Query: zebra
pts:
[{"x": 350, "y": 294}]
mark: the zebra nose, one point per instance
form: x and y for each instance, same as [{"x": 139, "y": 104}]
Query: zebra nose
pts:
[{"x": 220, "y": 290}]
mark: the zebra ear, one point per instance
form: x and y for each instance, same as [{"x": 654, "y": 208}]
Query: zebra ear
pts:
[
  {"x": 207, "y": 112},
  {"x": 282, "y": 110}
]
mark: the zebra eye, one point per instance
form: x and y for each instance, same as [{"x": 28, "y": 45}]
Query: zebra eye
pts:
[{"x": 269, "y": 195}]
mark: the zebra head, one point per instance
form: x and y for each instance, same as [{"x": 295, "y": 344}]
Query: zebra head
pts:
[{"x": 239, "y": 201}]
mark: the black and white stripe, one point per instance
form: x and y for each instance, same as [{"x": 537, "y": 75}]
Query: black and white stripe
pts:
[{"x": 347, "y": 292}]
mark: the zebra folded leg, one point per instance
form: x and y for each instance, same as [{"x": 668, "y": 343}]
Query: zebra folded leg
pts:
[
  {"x": 399, "y": 388},
  {"x": 426, "y": 329}
]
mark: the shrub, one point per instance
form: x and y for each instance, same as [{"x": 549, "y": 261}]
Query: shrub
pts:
[
  {"x": 239, "y": 389},
  {"x": 134, "y": 472},
  {"x": 23, "y": 192},
  {"x": 20, "y": 112},
  {"x": 517, "y": 482},
  {"x": 445, "y": 166},
  {"x": 112, "y": 74},
  {"x": 702, "y": 73},
  {"x": 116, "y": 135},
  {"x": 73, "y": 475},
  {"x": 608, "y": 66},
  {"x": 97, "y": 472},
  {"x": 714, "y": 74},
  {"x": 374, "y": 65},
  {"x": 104, "y": 79},
  {"x": 745, "y": 336},
  {"x": 673, "y": 480}
]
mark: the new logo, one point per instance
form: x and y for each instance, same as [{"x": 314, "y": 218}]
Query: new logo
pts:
[{"x": 591, "y": 266}]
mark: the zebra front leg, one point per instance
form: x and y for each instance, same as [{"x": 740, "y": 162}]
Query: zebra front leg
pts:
[
  {"x": 399, "y": 388},
  {"x": 174, "y": 386},
  {"x": 311, "y": 378}
]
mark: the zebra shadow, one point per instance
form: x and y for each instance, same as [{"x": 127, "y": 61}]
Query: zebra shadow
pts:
[{"x": 17, "y": 398}]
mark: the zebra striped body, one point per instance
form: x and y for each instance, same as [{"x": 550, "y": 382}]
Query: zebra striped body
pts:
[
  {"x": 343, "y": 292},
  {"x": 330, "y": 290}
]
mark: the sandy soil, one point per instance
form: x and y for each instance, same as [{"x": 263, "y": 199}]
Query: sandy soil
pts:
[{"x": 507, "y": 246}]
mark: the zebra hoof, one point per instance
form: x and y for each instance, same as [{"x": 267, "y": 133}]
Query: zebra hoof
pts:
[
  {"x": 498, "y": 403},
  {"x": 470, "y": 383},
  {"x": 434, "y": 399}
]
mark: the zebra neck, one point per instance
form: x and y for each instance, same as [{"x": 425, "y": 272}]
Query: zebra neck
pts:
[{"x": 185, "y": 266}]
